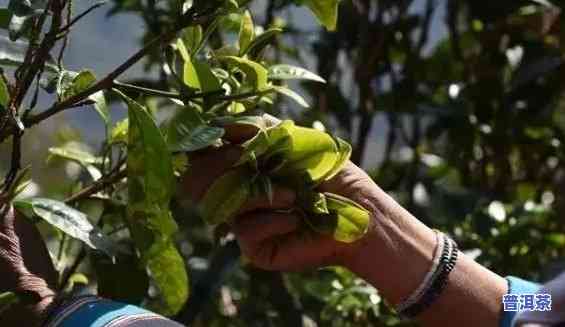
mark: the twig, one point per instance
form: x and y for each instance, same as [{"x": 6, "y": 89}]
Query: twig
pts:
[
  {"x": 188, "y": 19},
  {"x": 168, "y": 94},
  {"x": 77, "y": 18},
  {"x": 108, "y": 81},
  {"x": 15, "y": 162},
  {"x": 146, "y": 90},
  {"x": 97, "y": 186},
  {"x": 72, "y": 269},
  {"x": 245, "y": 95},
  {"x": 66, "y": 37}
]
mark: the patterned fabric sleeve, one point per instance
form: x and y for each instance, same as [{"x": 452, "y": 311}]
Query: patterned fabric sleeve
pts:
[
  {"x": 516, "y": 286},
  {"x": 92, "y": 311}
]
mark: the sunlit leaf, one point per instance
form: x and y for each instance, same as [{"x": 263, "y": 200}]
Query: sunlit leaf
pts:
[
  {"x": 119, "y": 132},
  {"x": 293, "y": 95},
  {"x": 246, "y": 32},
  {"x": 71, "y": 83},
  {"x": 325, "y": 11},
  {"x": 75, "y": 154},
  {"x": 346, "y": 222},
  {"x": 310, "y": 154},
  {"x": 288, "y": 72},
  {"x": 255, "y": 73},
  {"x": 69, "y": 220},
  {"x": 236, "y": 108},
  {"x": 199, "y": 75},
  {"x": 101, "y": 106}
]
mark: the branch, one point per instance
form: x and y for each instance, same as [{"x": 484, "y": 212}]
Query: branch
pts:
[
  {"x": 141, "y": 89},
  {"x": 97, "y": 186},
  {"x": 77, "y": 18},
  {"x": 188, "y": 19}
]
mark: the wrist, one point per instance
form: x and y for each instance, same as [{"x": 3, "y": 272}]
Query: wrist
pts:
[{"x": 397, "y": 251}]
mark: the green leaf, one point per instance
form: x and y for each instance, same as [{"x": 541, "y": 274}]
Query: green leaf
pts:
[
  {"x": 119, "y": 133},
  {"x": 236, "y": 108},
  {"x": 71, "y": 84},
  {"x": 69, "y": 220},
  {"x": 225, "y": 196},
  {"x": 265, "y": 186},
  {"x": 289, "y": 72},
  {"x": 101, "y": 106},
  {"x": 7, "y": 299},
  {"x": 22, "y": 13},
  {"x": 21, "y": 182},
  {"x": 346, "y": 222},
  {"x": 198, "y": 138},
  {"x": 344, "y": 150},
  {"x": 310, "y": 154},
  {"x": 209, "y": 31},
  {"x": 185, "y": 55},
  {"x": 150, "y": 187},
  {"x": 313, "y": 202},
  {"x": 325, "y": 11},
  {"x": 246, "y": 32},
  {"x": 291, "y": 94},
  {"x": 5, "y": 16},
  {"x": 4, "y": 94},
  {"x": 182, "y": 125},
  {"x": 260, "y": 42},
  {"x": 73, "y": 153},
  {"x": 192, "y": 37},
  {"x": 255, "y": 73},
  {"x": 199, "y": 75}
]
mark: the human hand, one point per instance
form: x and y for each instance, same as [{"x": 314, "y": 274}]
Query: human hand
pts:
[
  {"x": 26, "y": 269},
  {"x": 270, "y": 234},
  {"x": 275, "y": 239}
]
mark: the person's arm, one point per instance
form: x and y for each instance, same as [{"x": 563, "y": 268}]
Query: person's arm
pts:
[
  {"x": 93, "y": 311},
  {"x": 26, "y": 270},
  {"x": 395, "y": 255}
]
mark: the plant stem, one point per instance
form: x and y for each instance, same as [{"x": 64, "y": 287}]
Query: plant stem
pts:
[
  {"x": 72, "y": 269},
  {"x": 97, "y": 186},
  {"x": 145, "y": 90},
  {"x": 81, "y": 15}
]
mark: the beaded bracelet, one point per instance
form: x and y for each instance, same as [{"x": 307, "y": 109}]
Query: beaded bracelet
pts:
[
  {"x": 417, "y": 294},
  {"x": 438, "y": 282}
]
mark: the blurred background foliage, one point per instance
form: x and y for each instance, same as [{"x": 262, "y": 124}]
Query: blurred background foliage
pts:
[{"x": 455, "y": 107}]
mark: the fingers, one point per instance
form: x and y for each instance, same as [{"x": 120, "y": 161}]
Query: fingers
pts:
[
  {"x": 239, "y": 133},
  {"x": 205, "y": 167},
  {"x": 276, "y": 241},
  {"x": 296, "y": 252},
  {"x": 283, "y": 199},
  {"x": 257, "y": 227}
]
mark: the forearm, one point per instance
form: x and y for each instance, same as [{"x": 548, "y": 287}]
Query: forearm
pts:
[{"x": 397, "y": 254}]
